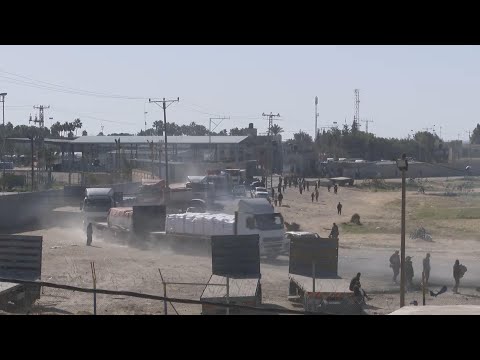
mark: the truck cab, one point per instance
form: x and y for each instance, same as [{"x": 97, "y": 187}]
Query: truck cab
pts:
[
  {"x": 257, "y": 216},
  {"x": 96, "y": 204}
]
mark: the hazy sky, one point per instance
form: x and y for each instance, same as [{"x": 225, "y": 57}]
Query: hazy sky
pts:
[{"x": 402, "y": 88}]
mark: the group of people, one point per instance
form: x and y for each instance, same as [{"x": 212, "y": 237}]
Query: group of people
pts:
[{"x": 459, "y": 270}]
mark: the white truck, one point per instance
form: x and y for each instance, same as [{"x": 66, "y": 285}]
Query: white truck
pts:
[
  {"x": 253, "y": 216},
  {"x": 96, "y": 204},
  {"x": 194, "y": 230}
]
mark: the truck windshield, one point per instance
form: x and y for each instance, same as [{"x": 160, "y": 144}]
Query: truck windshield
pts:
[
  {"x": 269, "y": 221},
  {"x": 98, "y": 204}
]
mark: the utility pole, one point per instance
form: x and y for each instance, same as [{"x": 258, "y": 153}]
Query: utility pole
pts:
[
  {"x": 164, "y": 103},
  {"x": 4, "y": 135},
  {"x": 366, "y": 121},
  {"x": 469, "y": 145},
  {"x": 216, "y": 125},
  {"x": 40, "y": 119},
  {"x": 402, "y": 165},
  {"x": 270, "y": 124},
  {"x": 316, "y": 119}
]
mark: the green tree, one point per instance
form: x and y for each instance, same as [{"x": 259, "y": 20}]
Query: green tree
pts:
[
  {"x": 475, "y": 138},
  {"x": 275, "y": 129}
]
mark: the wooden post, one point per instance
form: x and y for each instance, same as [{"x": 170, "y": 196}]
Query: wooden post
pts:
[
  {"x": 94, "y": 277},
  {"x": 228, "y": 295},
  {"x": 423, "y": 287},
  {"x": 165, "y": 310}
]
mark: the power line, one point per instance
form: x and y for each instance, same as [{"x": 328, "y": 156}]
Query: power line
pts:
[{"x": 62, "y": 89}]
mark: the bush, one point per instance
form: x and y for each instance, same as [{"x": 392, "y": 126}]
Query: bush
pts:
[
  {"x": 11, "y": 181},
  {"x": 355, "y": 219}
]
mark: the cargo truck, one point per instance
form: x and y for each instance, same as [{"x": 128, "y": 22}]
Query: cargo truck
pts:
[{"x": 194, "y": 230}]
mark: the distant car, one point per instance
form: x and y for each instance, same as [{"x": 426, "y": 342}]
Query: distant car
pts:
[
  {"x": 198, "y": 204},
  {"x": 239, "y": 190},
  {"x": 255, "y": 184},
  {"x": 260, "y": 192}
]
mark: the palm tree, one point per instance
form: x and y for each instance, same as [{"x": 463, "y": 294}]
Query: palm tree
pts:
[
  {"x": 77, "y": 124},
  {"x": 275, "y": 129}
]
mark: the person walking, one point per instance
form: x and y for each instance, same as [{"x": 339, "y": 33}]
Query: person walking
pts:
[
  {"x": 328, "y": 187},
  {"x": 409, "y": 271},
  {"x": 280, "y": 199},
  {"x": 308, "y": 185},
  {"x": 458, "y": 271},
  {"x": 335, "y": 189},
  {"x": 395, "y": 265},
  {"x": 275, "y": 199},
  {"x": 316, "y": 195},
  {"x": 273, "y": 192},
  {"x": 426, "y": 268},
  {"x": 301, "y": 189},
  {"x": 313, "y": 195},
  {"x": 339, "y": 208}
]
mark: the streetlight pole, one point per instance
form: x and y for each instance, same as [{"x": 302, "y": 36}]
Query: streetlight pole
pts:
[{"x": 403, "y": 166}]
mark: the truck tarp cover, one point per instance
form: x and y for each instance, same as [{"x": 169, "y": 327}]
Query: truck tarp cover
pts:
[
  {"x": 120, "y": 217},
  {"x": 255, "y": 206},
  {"x": 306, "y": 250}
]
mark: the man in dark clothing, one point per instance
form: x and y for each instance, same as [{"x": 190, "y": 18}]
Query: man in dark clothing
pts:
[
  {"x": 313, "y": 196},
  {"x": 395, "y": 265},
  {"x": 426, "y": 268},
  {"x": 279, "y": 188},
  {"x": 89, "y": 234},
  {"x": 280, "y": 198},
  {"x": 356, "y": 287},
  {"x": 273, "y": 192},
  {"x": 308, "y": 186},
  {"x": 316, "y": 195},
  {"x": 328, "y": 187},
  {"x": 334, "y": 232},
  {"x": 458, "y": 271},
  {"x": 335, "y": 188},
  {"x": 301, "y": 189},
  {"x": 339, "y": 208},
  {"x": 409, "y": 271}
]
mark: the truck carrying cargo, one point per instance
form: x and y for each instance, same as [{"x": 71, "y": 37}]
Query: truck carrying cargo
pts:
[{"x": 253, "y": 216}]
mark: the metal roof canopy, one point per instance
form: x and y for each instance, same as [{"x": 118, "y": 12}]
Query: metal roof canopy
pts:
[
  {"x": 159, "y": 139},
  {"x": 110, "y": 140}
]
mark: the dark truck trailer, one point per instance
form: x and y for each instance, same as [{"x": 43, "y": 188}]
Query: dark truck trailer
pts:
[{"x": 313, "y": 275}]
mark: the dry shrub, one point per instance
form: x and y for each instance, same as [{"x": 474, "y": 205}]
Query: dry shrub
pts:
[{"x": 355, "y": 219}]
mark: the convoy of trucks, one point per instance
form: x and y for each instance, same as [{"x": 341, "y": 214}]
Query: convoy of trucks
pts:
[{"x": 151, "y": 223}]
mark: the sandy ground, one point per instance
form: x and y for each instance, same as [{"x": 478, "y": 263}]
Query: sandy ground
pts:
[{"x": 66, "y": 260}]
